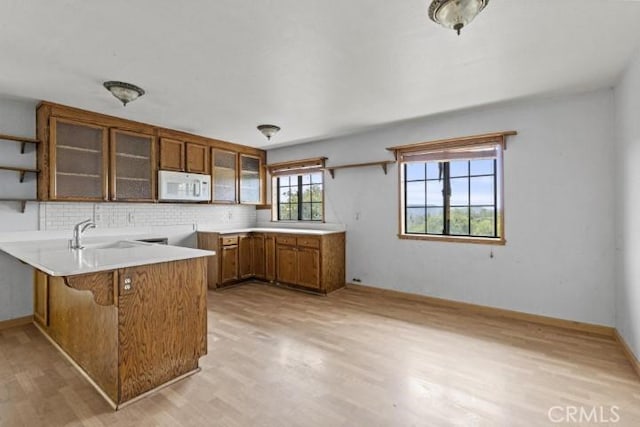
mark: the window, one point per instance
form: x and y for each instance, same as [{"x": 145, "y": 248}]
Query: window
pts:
[
  {"x": 298, "y": 190},
  {"x": 452, "y": 190},
  {"x": 300, "y": 197}
]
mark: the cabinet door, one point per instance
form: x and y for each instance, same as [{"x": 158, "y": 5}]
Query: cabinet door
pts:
[
  {"x": 224, "y": 164},
  {"x": 286, "y": 264},
  {"x": 41, "y": 298},
  {"x": 308, "y": 267},
  {"x": 270, "y": 257},
  {"x": 197, "y": 158},
  {"x": 209, "y": 242},
  {"x": 250, "y": 185},
  {"x": 246, "y": 257},
  {"x": 133, "y": 174},
  {"x": 229, "y": 264},
  {"x": 259, "y": 256},
  {"x": 171, "y": 155},
  {"x": 79, "y": 161}
]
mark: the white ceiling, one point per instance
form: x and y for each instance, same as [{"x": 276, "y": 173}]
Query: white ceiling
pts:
[{"x": 316, "y": 68}]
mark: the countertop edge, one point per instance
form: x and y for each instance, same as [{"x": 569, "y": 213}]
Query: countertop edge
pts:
[{"x": 273, "y": 230}]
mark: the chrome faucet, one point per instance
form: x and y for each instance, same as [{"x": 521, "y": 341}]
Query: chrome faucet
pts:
[{"x": 80, "y": 228}]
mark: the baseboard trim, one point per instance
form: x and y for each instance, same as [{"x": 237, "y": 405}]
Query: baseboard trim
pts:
[
  {"x": 626, "y": 348},
  {"x": 12, "y": 323},
  {"x": 496, "y": 312}
]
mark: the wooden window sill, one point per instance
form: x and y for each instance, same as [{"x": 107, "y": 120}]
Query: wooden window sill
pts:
[{"x": 454, "y": 239}]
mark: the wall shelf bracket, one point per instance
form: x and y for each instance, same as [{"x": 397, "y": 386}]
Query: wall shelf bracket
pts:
[{"x": 22, "y": 140}]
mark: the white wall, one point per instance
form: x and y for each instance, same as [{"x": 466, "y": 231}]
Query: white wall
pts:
[
  {"x": 559, "y": 256},
  {"x": 16, "y": 118},
  {"x": 57, "y": 219},
  {"x": 627, "y": 112}
]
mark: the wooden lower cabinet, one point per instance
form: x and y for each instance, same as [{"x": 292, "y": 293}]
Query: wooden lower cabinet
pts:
[
  {"x": 130, "y": 330},
  {"x": 308, "y": 266},
  {"x": 41, "y": 298},
  {"x": 245, "y": 256},
  {"x": 228, "y": 264},
  {"x": 259, "y": 261},
  {"x": 299, "y": 265},
  {"x": 286, "y": 264},
  {"x": 313, "y": 262},
  {"x": 211, "y": 241},
  {"x": 270, "y": 257}
]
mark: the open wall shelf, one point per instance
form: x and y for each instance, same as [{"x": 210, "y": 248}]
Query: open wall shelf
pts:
[
  {"x": 21, "y": 171},
  {"x": 20, "y": 139},
  {"x": 383, "y": 164},
  {"x": 23, "y": 202}
]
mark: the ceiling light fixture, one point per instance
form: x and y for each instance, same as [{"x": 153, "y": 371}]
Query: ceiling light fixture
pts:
[
  {"x": 125, "y": 92},
  {"x": 268, "y": 130},
  {"x": 455, "y": 14}
]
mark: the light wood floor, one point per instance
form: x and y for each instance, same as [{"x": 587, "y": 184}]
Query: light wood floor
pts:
[{"x": 355, "y": 358}]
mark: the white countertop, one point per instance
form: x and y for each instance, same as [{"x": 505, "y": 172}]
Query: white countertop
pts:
[
  {"x": 55, "y": 258},
  {"x": 272, "y": 230}
]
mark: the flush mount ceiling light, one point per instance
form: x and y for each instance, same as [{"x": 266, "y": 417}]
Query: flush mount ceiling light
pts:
[
  {"x": 455, "y": 14},
  {"x": 125, "y": 92},
  {"x": 268, "y": 130}
]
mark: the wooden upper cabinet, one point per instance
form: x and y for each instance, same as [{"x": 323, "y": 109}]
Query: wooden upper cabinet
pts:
[
  {"x": 198, "y": 158},
  {"x": 78, "y": 159},
  {"x": 86, "y": 156},
  {"x": 224, "y": 172},
  {"x": 250, "y": 182},
  {"x": 133, "y": 173},
  {"x": 172, "y": 155}
]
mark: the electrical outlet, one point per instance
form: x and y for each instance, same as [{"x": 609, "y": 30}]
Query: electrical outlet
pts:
[
  {"x": 356, "y": 280},
  {"x": 97, "y": 213},
  {"x": 131, "y": 218}
]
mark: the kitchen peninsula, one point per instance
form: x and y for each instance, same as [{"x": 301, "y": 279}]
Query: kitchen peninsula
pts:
[{"x": 130, "y": 315}]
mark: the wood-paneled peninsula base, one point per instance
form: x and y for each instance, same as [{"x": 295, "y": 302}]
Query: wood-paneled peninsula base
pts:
[{"x": 130, "y": 331}]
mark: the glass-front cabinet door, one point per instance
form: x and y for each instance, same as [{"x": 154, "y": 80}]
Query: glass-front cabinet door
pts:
[
  {"x": 79, "y": 157},
  {"x": 223, "y": 171},
  {"x": 132, "y": 166},
  {"x": 250, "y": 179}
]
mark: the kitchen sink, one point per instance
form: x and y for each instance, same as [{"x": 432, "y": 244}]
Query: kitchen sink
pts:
[{"x": 122, "y": 244}]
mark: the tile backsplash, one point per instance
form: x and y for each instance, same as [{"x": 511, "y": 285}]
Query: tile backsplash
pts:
[{"x": 64, "y": 215}]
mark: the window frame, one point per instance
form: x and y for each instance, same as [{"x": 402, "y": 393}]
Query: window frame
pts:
[
  {"x": 300, "y": 184},
  {"x": 404, "y": 152},
  {"x": 296, "y": 168}
]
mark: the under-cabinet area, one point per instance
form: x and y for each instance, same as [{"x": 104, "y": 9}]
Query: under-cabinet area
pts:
[
  {"x": 308, "y": 261},
  {"x": 86, "y": 156}
]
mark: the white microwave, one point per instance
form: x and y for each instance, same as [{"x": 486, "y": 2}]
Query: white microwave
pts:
[{"x": 180, "y": 186}]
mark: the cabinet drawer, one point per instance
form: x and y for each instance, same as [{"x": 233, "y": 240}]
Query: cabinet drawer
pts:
[
  {"x": 229, "y": 240},
  {"x": 309, "y": 242},
  {"x": 286, "y": 240}
]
